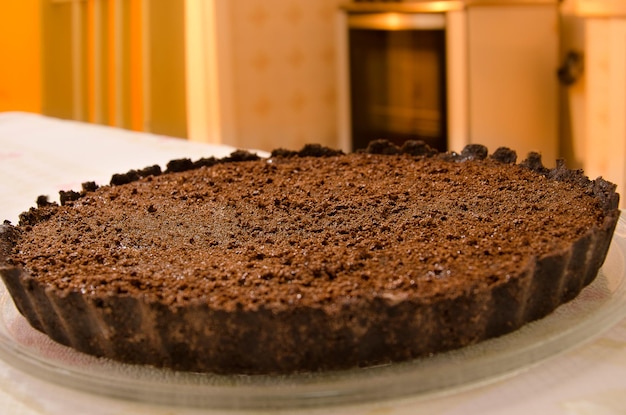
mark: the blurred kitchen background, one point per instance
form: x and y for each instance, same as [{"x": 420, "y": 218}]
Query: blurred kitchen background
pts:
[{"x": 534, "y": 75}]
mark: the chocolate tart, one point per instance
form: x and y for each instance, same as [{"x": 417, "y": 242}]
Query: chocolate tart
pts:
[{"x": 307, "y": 261}]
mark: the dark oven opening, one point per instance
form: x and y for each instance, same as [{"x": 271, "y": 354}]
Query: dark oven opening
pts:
[{"x": 397, "y": 78}]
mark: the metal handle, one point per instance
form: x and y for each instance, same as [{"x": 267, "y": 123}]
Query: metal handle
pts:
[
  {"x": 397, "y": 21},
  {"x": 572, "y": 68}
]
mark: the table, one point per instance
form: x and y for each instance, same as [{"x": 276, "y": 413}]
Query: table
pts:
[{"x": 40, "y": 155}]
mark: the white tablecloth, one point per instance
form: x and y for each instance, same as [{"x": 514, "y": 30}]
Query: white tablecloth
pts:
[{"x": 40, "y": 155}]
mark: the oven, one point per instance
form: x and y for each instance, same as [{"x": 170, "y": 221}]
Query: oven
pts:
[
  {"x": 449, "y": 73},
  {"x": 397, "y": 85}
]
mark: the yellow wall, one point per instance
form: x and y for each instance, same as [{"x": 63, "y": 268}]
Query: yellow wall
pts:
[{"x": 20, "y": 61}]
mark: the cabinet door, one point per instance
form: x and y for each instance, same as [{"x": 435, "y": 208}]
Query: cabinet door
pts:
[
  {"x": 513, "y": 88},
  {"x": 605, "y": 77}
]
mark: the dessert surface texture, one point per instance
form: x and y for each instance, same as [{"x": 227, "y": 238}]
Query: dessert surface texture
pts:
[{"x": 307, "y": 261}]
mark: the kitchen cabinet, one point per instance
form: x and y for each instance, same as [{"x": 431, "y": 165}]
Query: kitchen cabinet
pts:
[
  {"x": 603, "y": 89},
  {"x": 513, "y": 51}
]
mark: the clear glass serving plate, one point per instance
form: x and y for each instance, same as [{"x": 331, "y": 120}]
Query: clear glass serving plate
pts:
[{"x": 600, "y": 305}]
